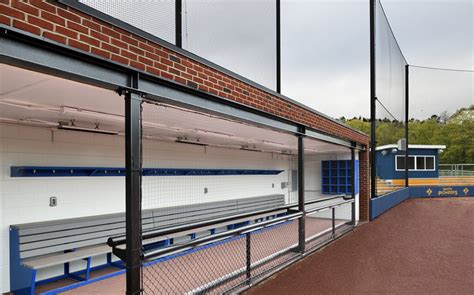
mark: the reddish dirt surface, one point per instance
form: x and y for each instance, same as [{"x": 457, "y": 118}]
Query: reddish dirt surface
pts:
[{"x": 422, "y": 246}]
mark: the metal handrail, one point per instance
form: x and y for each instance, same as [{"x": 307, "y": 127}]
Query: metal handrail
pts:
[
  {"x": 112, "y": 242},
  {"x": 156, "y": 253},
  {"x": 329, "y": 206},
  {"x": 220, "y": 236}
]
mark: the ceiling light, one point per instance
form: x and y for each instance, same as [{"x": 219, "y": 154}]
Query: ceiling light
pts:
[
  {"x": 186, "y": 141},
  {"x": 72, "y": 127}
]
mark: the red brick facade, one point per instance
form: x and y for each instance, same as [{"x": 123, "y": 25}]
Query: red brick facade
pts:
[{"x": 65, "y": 25}]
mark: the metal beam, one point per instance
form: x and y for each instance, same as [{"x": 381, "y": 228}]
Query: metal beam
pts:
[
  {"x": 171, "y": 95},
  {"x": 133, "y": 202},
  {"x": 331, "y": 139},
  {"x": 59, "y": 61}
]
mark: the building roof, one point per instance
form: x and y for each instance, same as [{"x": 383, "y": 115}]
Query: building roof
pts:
[{"x": 412, "y": 146}]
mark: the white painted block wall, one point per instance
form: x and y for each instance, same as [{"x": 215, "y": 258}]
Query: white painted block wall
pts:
[{"x": 26, "y": 200}]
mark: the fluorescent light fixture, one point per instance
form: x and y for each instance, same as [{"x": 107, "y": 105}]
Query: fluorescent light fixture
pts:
[
  {"x": 186, "y": 141},
  {"x": 248, "y": 148},
  {"x": 66, "y": 126},
  {"x": 214, "y": 133}
]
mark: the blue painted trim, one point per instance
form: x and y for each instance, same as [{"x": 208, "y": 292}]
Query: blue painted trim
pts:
[
  {"x": 47, "y": 171},
  {"x": 381, "y": 204}
]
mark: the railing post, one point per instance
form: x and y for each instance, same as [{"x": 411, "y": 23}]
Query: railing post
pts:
[
  {"x": 133, "y": 204},
  {"x": 248, "y": 270},
  {"x": 333, "y": 222},
  {"x": 301, "y": 196}
]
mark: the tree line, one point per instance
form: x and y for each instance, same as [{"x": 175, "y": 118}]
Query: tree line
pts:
[{"x": 456, "y": 131}]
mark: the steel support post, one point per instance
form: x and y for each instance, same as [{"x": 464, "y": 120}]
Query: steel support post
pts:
[
  {"x": 373, "y": 126},
  {"x": 301, "y": 196},
  {"x": 278, "y": 46},
  {"x": 179, "y": 23},
  {"x": 133, "y": 202},
  {"x": 407, "y": 101}
]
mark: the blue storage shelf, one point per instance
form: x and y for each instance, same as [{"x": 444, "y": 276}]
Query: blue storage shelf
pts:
[{"x": 336, "y": 177}]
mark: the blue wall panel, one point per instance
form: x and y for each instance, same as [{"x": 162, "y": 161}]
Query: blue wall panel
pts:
[{"x": 381, "y": 204}]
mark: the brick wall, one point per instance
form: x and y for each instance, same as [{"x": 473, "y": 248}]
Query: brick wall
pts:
[{"x": 67, "y": 26}]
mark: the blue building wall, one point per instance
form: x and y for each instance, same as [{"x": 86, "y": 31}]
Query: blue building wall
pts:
[{"x": 386, "y": 164}]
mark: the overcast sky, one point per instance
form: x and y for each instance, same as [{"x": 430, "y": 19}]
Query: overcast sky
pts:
[
  {"x": 325, "y": 47},
  {"x": 329, "y": 71}
]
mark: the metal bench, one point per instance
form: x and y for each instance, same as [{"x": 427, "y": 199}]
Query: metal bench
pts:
[{"x": 40, "y": 245}]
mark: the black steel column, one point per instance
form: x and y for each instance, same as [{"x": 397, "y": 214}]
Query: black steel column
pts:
[
  {"x": 373, "y": 139},
  {"x": 278, "y": 46},
  {"x": 407, "y": 102},
  {"x": 133, "y": 204},
  {"x": 179, "y": 23},
  {"x": 353, "y": 184},
  {"x": 301, "y": 197}
]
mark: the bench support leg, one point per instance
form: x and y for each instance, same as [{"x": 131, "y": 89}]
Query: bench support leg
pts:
[
  {"x": 75, "y": 276},
  {"x": 112, "y": 263},
  {"x": 22, "y": 279}
]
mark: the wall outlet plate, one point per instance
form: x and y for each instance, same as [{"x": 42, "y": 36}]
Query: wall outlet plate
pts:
[{"x": 53, "y": 202}]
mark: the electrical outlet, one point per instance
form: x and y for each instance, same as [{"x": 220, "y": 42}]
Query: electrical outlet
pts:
[{"x": 53, "y": 202}]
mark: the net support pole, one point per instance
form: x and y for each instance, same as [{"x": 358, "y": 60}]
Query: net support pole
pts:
[
  {"x": 373, "y": 143},
  {"x": 179, "y": 23},
  {"x": 278, "y": 46},
  {"x": 407, "y": 101},
  {"x": 133, "y": 191},
  {"x": 301, "y": 196}
]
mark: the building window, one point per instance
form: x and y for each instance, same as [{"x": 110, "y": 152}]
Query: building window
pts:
[{"x": 415, "y": 163}]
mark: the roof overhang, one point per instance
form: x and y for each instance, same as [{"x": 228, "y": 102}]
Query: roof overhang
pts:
[{"x": 412, "y": 146}]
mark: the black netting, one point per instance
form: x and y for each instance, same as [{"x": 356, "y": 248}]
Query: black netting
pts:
[
  {"x": 390, "y": 105},
  {"x": 154, "y": 17},
  {"x": 200, "y": 167},
  {"x": 238, "y": 35}
]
